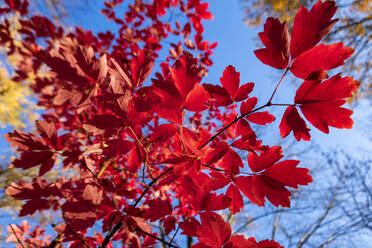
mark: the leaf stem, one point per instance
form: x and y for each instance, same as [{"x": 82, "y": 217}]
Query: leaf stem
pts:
[
  {"x": 282, "y": 104},
  {"x": 244, "y": 115},
  {"x": 144, "y": 149},
  {"x": 277, "y": 86},
  {"x": 230, "y": 124}
]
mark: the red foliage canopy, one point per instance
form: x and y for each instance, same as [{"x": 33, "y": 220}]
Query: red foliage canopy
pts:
[{"x": 162, "y": 149}]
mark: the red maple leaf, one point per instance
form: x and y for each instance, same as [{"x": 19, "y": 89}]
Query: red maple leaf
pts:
[
  {"x": 271, "y": 178},
  {"x": 321, "y": 102},
  {"x": 141, "y": 66},
  {"x": 34, "y": 193},
  {"x": 157, "y": 209},
  {"x": 214, "y": 231},
  {"x": 276, "y": 39},
  {"x": 311, "y": 26},
  {"x": 292, "y": 121},
  {"x": 35, "y": 150},
  {"x": 261, "y": 118},
  {"x": 236, "y": 199},
  {"x": 230, "y": 91},
  {"x": 311, "y": 64}
]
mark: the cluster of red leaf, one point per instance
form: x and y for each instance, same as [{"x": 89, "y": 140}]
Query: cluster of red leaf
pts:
[
  {"x": 320, "y": 102},
  {"x": 164, "y": 149}
]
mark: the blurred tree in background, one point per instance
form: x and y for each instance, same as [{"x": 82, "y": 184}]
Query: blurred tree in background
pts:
[
  {"x": 354, "y": 28},
  {"x": 16, "y": 108}
]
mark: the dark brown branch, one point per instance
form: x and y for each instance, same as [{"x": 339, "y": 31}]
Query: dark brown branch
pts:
[
  {"x": 230, "y": 124},
  {"x": 174, "y": 235},
  {"x": 116, "y": 228},
  {"x": 15, "y": 234},
  {"x": 73, "y": 232},
  {"x": 250, "y": 112},
  {"x": 153, "y": 236},
  {"x": 144, "y": 149}
]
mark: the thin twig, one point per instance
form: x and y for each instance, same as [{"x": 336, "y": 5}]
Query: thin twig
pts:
[
  {"x": 150, "y": 185},
  {"x": 73, "y": 232},
  {"x": 250, "y": 112},
  {"x": 116, "y": 228},
  {"x": 15, "y": 234},
  {"x": 230, "y": 124},
  {"x": 144, "y": 149},
  {"x": 277, "y": 86},
  {"x": 86, "y": 166},
  {"x": 174, "y": 235},
  {"x": 157, "y": 238}
]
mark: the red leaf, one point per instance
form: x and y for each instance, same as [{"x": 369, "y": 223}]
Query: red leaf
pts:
[
  {"x": 197, "y": 98},
  {"x": 119, "y": 96},
  {"x": 34, "y": 151},
  {"x": 31, "y": 206},
  {"x": 141, "y": 66},
  {"x": 310, "y": 27},
  {"x": 243, "y": 128},
  {"x": 275, "y": 37},
  {"x": 219, "y": 94},
  {"x": 230, "y": 80},
  {"x": 120, "y": 73},
  {"x": 214, "y": 231},
  {"x": 16, "y": 232},
  {"x": 247, "y": 106},
  {"x": 163, "y": 132},
  {"x": 209, "y": 201},
  {"x": 287, "y": 173},
  {"x": 243, "y": 92},
  {"x": 99, "y": 124},
  {"x": 117, "y": 147},
  {"x": 239, "y": 241},
  {"x": 266, "y": 159},
  {"x": 252, "y": 188},
  {"x": 272, "y": 182},
  {"x": 26, "y": 191},
  {"x": 79, "y": 215},
  {"x": 320, "y": 102},
  {"x": 215, "y": 153},
  {"x": 48, "y": 131},
  {"x": 185, "y": 74},
  {"x": 157, "y": 209},
  {"x": 334, "y": 88},
  {"x": 232, "y": 162},
  {"x": 248, "y": 142},
  {"x": 190, "y": 227},
  {"x": 261, "y": 118},
  {"x": 66, "y": 70},
  {"x": 134, "y": 160},
  {"x": 324, "y": 114},
  {"x": 236, "y": 199},
  {"x": 219, "y": 180},
  {"x": 93, "y": 194},
  {"x": 268, "y": 244},
  {"x": 34, "y": 193},
  {"x": 173, "y": 115},
  {"x": 292, "y": 121},
  {"x": 169, "y": 224},
  {"x": 322, "y": 57}
]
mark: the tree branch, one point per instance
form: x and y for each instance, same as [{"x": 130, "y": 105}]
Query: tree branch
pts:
[
  {"x": 15, "y": 234},
  {"x": 119, "y": 224}
]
